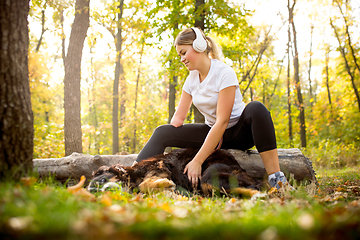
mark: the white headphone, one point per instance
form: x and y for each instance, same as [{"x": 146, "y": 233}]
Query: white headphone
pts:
[{"x": 199, "y": 43}]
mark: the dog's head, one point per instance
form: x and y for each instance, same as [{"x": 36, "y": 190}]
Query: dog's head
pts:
[{"x": 107, "y": 177}]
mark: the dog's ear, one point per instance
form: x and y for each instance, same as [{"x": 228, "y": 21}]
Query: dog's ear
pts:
[{"x": 117, "y": 170}]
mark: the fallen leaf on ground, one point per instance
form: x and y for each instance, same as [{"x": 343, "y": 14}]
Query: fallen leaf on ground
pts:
[
  {"x": 106, "y": 200},
  {"x": 28, "y": 181},
  {"x": 80, "y": 191}
]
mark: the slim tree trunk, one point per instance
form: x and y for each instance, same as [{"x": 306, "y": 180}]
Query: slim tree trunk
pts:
[
  {"x": 172, "y": 91},
  {"x": 73, "y": 134},
  {"x": 119, "y": 72},
  {"x": 63, "y": 55},
  {"x": 297, "y": 78},
  {"x": 199, "y": 14},
  {"x": 327, "y": 53},
  {"x": 309, "y": 71},
  {"x": 251, "y": 73},
  {"x": 288, "y": 90},
  {"x": 137, "y": 92},
  {"x": 200, "y": 23},
  {"x": 43, "y": 30},
  {"x": 173, "y": 79},
  {"x": 16, "y": 116},
  {"x": 172, "y": 96}
]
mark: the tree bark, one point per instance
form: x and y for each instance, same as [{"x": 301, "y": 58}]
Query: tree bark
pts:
[
  {"x": 119, "y": 72},
  {"x": 288, "y": 90},
  {"x": 327, "y": 53},
  {"x": 72, "y": 126},
  {"x": 297, "y": 77},
  {"x": 16, "y": 116},
  {"x": 199, "y": 14},
  {"x": 309, "y": 71},
  {"x": 137, "y": 92},
  {"x": 200, "y": 23},
  {"x": 292, "y": 161}
]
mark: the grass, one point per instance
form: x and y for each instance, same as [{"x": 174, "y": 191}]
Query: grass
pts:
[{"x": 47, "y": 210}]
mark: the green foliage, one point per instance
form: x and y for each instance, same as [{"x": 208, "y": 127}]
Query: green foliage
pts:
[
  {"x": 148, "y": 31},
  {"x": 45, "y": 209}
]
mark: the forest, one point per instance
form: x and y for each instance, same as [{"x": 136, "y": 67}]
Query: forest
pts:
[
  {"x": 300, "y": 58},
  {"x": 98, "y": 76}
]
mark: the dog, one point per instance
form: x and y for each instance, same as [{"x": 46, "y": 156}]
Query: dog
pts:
[{"x": 220, "y": 173}]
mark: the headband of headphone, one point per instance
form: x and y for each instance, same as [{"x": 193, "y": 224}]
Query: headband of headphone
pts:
[{"x": 199, "y": 43}]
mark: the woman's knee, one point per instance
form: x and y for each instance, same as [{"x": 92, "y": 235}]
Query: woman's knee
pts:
[
  {"x": 163, "y": 130},
  {"x": 257, "y": 108}
]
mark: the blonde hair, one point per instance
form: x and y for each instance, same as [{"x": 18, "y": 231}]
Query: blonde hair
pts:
[{"x": 187, "y": 37}]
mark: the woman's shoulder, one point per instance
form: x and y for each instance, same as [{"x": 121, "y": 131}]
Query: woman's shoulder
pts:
[{"x": 221, "y": 66}]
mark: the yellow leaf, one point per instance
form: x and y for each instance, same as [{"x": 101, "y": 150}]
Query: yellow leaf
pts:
[
  {"x": 232, "y": 200},
  {"x": 340, "y": 189},
  {"x": 106, "y": 200},
  {"x": 165, "y": 207},
  {"x": 80, "y": 191},
  {"x": 182, "y": 198},
  {"x": 78, "y": 186},
  {"x": 272, "y": 190}
]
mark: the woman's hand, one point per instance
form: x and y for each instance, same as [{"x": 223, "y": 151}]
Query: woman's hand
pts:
[
  {"x": 176, "y": 122},
  {"x": 193, "y": 169}
]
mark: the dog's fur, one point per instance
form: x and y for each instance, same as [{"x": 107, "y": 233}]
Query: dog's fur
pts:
[{"x": 220, "y": 172}]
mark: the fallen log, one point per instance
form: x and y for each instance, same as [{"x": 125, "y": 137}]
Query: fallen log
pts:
[{"x": 292, "y": 161}]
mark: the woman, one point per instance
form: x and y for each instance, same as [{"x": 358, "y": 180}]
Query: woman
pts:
[{"x": 214, "y": 89}]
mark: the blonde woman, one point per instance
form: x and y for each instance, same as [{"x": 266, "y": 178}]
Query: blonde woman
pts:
[{"x": 212, "y": 86}]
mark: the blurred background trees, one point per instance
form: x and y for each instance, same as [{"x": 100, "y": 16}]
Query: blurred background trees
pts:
[{"x": 128, "y": 58}]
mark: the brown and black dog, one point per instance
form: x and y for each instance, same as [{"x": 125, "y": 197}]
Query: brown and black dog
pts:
[{"x": 220, "y": 172}]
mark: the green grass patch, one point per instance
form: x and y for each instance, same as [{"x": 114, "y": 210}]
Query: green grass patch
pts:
[{"x": 47, "y": 210}]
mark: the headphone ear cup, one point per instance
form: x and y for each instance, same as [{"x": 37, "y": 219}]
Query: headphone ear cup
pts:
[{"x": 199, "y": 44}]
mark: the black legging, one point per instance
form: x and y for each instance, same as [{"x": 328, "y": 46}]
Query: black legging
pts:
[{"x": 255, "y": 127}]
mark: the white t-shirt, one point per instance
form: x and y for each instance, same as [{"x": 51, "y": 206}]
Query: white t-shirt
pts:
[{"x": 205, "y": 94}]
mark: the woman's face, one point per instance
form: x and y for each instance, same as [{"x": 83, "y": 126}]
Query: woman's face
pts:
[{"x": 188, "y": 56}]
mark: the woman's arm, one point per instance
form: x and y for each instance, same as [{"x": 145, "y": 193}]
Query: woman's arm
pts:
[
  {"x": 223, "y": 112},
  {"x": 182, "y": 110}
]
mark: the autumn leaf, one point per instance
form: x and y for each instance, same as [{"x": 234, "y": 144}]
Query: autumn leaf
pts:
[
  {"x": 28, "y": 181},
  {"x": 340, "y": 189},
  {"x": 106, "y": 200},
  {"x": 182, "y": 198},
  {"x": 272, "y": 190},
  {"x": 80, "y": 191}
]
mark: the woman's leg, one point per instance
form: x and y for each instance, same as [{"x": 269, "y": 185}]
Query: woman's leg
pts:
[
  {"x": 255, "y": 127},
  {"x": 186, "y": 136}
]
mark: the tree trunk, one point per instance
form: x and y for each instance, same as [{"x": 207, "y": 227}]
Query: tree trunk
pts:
[
  {"x": 297, "y": 78},
  {"x": 292, "y": 161},
  {"x": 309, "y": 71},
  {"x": 288, "y": 90},
  {"x": 327, "y": 53},
  {"x": 16, "y": 116},
  {"x": 43, "y": 30},
  {"x": 72, "y": 126},
  {"x": 119, "y": 72},
  {"x": 172, "y": 92},
  {"x": 199, "y": 16},
  {"x": 137, "y": 92}
]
